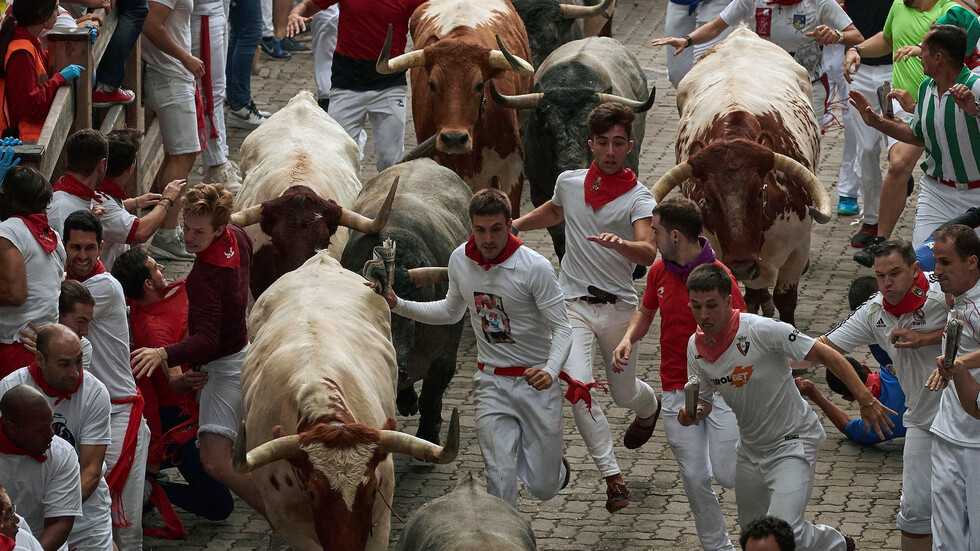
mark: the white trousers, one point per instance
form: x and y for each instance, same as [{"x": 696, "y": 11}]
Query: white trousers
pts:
[
  {"x": 386, "y": 110},
  {"x": 680, "y": 23},
  {"x": 129, "y": 538},
  {"x": 915, "y": 506},
  {"x": 955, "y": 497},
  {"x": 937, "y": 204},
  {"x": 702, "y": 451},
  {"x": 323, "y": 29},
  {"x": 267, "y": 27},
  {"x": 779, "y": 483},
  {"x": 519, "y": 432},
  {"x": 216, "y": 151},
  {"x": 221, "y": 397},
  {"x": 865, "y": 171}
]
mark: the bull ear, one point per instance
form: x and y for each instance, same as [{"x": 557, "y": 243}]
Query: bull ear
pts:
[
  {"x": 766, "y": 162},
  {"x": 390, "y": 424}
]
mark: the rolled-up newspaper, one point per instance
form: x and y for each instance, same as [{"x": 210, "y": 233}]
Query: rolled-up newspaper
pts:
[
  {"x": 380, "y": 270},
  {"x": 954, "y": 329},
  {"x": 692, "y": 390}
]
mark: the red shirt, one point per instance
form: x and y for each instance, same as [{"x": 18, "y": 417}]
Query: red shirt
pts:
[
  {"x": 668, "y": 292},
  {"x": 159, "y": 324},
  {"x": 363, "y": 25}
]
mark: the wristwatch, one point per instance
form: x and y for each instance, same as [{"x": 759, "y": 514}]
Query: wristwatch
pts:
[
  {"x": 840, "y": 36},
  {"x": 855, "y": 48}
]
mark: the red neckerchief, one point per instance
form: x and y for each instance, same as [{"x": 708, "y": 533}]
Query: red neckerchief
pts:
[
  {"x": 914, "y": 298},
  {"x": 98, "y": 269},
  {"x": 473, "y": 252},
  {"x": 37, "y": 224},
  {"x": 9, "y": 448},
  {"x": 874, "y": 383},
  {"x": 7, "y": 544},
  {"x": 223, "y": 252},
  {"x": 35, "y": 371},
  {"x": 112, "y": 189},
  {"x": 73, "y": 186},
  {"x": 711, "y": 347},
  {"x": 602, "y": 188}
]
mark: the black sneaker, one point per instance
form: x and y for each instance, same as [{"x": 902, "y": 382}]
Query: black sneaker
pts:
[
  {"x": 865, "y": 256},
  {"x": 864, "y": 236},
  {"x": 270, "y": 47},
  {"x": 849, "y": 543},
  {"x": 568, "y": 472},
  {"x": 290, "y": 44}
]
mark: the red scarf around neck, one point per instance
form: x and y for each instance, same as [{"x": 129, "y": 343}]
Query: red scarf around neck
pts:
[
  {"x": 112, "y": 189},
  {"x": 73, "y": 186},
  {"x": 7, "y": 544},
  {"x": 98, "y": 269},
  {"x": 9, "y": 448},
  {"x": 35, "y": 371},
  {"x": 37, "y": 224},
  {"x": 473, "y": 252},
  {"x": 711, "y": 347},
  {"x": 223, "y": 252},
  {"x": 914, "y": 298},
  {"x": 602, "y": 188}
]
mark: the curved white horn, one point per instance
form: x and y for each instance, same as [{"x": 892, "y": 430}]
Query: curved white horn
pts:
[
  {"x": 428, "y": 276},
  {"x": 403, "y": 62},
  {"x": 398, "y": 442},
  {"x": 503, "y": 59},
  {"x": 364, "y": 224},
  {"x": 285, "y": 447},
  {"x": 670, "y": 180},
  {"x": 247, "y": 217},
  {"x": 820, "y": 211},
  {"x": 522, "y": 101},
  {"x": 636, "y": 105},
  {"x": 571, "y": 11}
]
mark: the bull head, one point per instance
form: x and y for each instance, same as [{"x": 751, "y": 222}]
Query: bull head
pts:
[{"x": 533, "y": 101}]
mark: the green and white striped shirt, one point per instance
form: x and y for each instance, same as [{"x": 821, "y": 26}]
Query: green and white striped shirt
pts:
[{"x": 951, "y": 137}]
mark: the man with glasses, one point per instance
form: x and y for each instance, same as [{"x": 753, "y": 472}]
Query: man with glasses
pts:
[{"x": 13, "y": 536}]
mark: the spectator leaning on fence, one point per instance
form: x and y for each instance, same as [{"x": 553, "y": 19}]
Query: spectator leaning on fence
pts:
[{"x": 26, "y": 91}]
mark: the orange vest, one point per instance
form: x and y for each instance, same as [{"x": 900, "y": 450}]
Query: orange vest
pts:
[{"x": 30, "y": 130}]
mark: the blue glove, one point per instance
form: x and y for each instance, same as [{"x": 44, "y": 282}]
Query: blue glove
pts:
[
  {"x": 10, "y": 141},
  {"x": 7, "y": 161},
  {"x": 72, "y": 72},
  {"x": 94, "y": 33}
]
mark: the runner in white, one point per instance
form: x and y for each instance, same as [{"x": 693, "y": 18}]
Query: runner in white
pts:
[
  {"x": 81, "y": 418},
  {"x": 518, "y": 398},
  {"x": 607, "y": 232},
  {"x": 906, "y": 319},
  {"x": 15, "y": 535},
  {"x": 746, "y": 358},
  {"x": 39, "y": 471}
]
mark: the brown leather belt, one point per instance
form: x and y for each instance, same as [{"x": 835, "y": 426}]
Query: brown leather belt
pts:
[{"x": 598, "y": 296}]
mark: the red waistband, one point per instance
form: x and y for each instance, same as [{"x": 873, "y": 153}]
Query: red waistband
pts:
[
  {"x": 505, "y": 371},
  {"x": 960, "y": 185}
]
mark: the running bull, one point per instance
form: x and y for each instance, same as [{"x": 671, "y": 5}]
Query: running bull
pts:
[
  {"x": 747, "y": 155},
  {"x": 423, "y": 245},
  {"x": 318, "y": 388},
  {"x": 551, "y": 23}
]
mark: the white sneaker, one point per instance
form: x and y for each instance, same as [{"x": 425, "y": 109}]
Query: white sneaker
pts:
[
  {"x": 227, "y": 174},
  {"x": 262, "y": 112},
  {"x": 169, "y": 247},
  {"x": 246, "y": 117}
]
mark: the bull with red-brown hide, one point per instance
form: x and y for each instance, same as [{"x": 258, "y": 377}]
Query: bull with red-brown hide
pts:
[
  {"x": 318, "y": 389},
  {"x": 747, "y": 155},
  {"x": 459, "y": 46}
]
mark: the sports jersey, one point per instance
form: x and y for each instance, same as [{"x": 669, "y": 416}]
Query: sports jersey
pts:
[
  {"x": 586, "y": 263},
  {"x": 44, "y": 275},
  {"x": 756, "y": 381},
  {"x": 952, "y": 422},
  {"x": 951, "y": 137},
  {"x": 871, "y": 323},
  {"x": 118, "y": 225},
  {"x": 891, "y": 396},
  {"x": 43, "y": 490},
  {"x": 907, "y": 27},
  {"x": 668, "y": 292},
  {"x": 109, "y": 333}
]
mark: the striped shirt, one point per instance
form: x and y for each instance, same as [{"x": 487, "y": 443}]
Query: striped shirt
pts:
[{"x": 950, "y": 135}]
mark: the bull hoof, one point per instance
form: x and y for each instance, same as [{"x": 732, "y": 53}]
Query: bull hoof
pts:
[
  {"x": 768, "y": 309},
  {"x": 429, "y": 431},
  {"x": 407, "y": 402}
]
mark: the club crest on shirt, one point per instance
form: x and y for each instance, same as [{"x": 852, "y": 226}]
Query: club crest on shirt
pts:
[
  {"x": 918, "y": 292},
  {"x": 229, "y": 253},
  {"x": 799, "y": 21},
  {"x": 742, "y": 344},
  {"x": 596, "y": 184},
  {"x": 918, "y": 317},
  {"x": 60, "y": 426}
]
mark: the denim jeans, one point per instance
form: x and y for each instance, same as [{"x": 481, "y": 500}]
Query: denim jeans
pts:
[
  {"x": 245, "y": 20},
  {"x": 112, "y": 68}
]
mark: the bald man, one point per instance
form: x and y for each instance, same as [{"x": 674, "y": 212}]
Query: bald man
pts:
[
  {"x": 39, "y": 471},
  {"x": 81, "y": 417}
]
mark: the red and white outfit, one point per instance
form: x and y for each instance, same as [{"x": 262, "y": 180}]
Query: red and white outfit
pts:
[
  {"x": 44, "y": 261},
  {"x": 126, "y": 455},
  {"x": 956, "y": 449},
  {"x": 923, "y": 309},
  {"x": 705, "y": 450},
  {"x": 518, "y": 427},
  {"x": 777, "y": 454},
  {"x": 611, "y": 206},
  {"x": 24, "y": 540},
  {"x": 81, "y": 418}
]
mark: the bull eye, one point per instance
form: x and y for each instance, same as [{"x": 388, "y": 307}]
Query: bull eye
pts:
[{"x": 479, "y": 87}]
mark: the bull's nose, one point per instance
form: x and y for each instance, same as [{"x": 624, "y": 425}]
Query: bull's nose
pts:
[
  {"x": 454, "y": 139},
  {"x": 744, "y": 269}
]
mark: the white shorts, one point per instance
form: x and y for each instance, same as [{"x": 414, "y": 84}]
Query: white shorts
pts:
[
  {"x": 955, "y": 497},
  {"x": 173, "y": 102},
  {"x": 937, "y": 204},
  {"x": 221, "y": 397}
]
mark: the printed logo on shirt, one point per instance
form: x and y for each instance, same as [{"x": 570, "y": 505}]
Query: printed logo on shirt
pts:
[
  {"x": 799, "y": 21},
  {"x": 742, "y": 344},
  {"x": 493, "y": 318},
  {"x": 793, "y": 335},
  {"x": 660, "y": 292},
  {"x": 918, "y": 317},
  {"x": 763, "y": 21},
  {"x": 400, "y": 102},
  {"x": 60, "y": 427},
  {"x": 880, "y": 323},
  {"x": 740, "y": 375}
]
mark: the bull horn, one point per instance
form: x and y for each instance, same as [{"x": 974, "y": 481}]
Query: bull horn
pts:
[
  {"x": 285, "y": 447},
  {"x": 428, "y": 276},
  {"x": 364, "y": 224},
  {"x": 670, "y": 180},
  {"x": 792, "y": 168},
  {"x": 635, "y": 105},
  {"x": 423, "y": 150},
  {"x": 247, "y": 217},
  {"x": 503, "y": 59},
  {"x": 570, "y": 11},
  {"x": 385, "y": 66},
  {"x": 393, "y": 441},
  {"x": 522, "y": 101}
]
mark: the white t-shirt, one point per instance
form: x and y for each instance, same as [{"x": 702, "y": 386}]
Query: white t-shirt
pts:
[
  {"x": 44, "y": 275},
  {"x": 871, "y": 324},
  {"x": 208, "y": 7},
  {"x": 952, "y": 422},
  {"x": 786, "y": 26},
  {"x": 109, "y": 333},
  {"x": 118, "y": 224},
  {"x": 44, "y": 490},
  {"x": 178, "y": 24},
  {"x": 756, "y": 381},
  {"x": 586, "y": 263},
  {"x": 25, "y": 540}
]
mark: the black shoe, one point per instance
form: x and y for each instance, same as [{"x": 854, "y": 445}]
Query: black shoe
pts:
[
  {"x": 290, "y": 44},
  {"x": 849, "y": 543},
  {"x": 324, "y": 104},
  {"x": 864, "y": 236},
  {"x": 866, "y": 256},
  {"x": 270, "y": 47},
  {"x": 568, "y": 473}
]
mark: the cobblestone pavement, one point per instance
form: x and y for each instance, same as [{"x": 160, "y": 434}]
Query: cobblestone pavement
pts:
[{"x": 856, "y": 489}]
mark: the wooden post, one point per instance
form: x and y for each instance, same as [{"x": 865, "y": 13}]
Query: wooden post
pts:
[
  {"x": 133, "y": 80},
  {"x": 74, "y": 46}
]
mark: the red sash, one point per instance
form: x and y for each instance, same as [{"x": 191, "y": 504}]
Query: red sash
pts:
[
  {"x": 9, "y": 448},
  {"x": 203, "y": 94},
  {"x": 914, "y": 298},
  {"x": 473, "y": 252},
  {"x": 117, "y": 477},
  {"x": 711, "y": 347},
  {"x": 73, "y": 186},
  {"x": 37, "y": 224},
  {"x": 223, "y": 252},
  {"x": 35, "y": 371},
  {"x": 112, "y": 189},
  {"x": 601, "y": 188},
  {"x": 98, "y": 269}
]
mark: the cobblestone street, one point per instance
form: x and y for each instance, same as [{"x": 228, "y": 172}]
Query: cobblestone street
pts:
[{"x": 856, "y": 489}]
